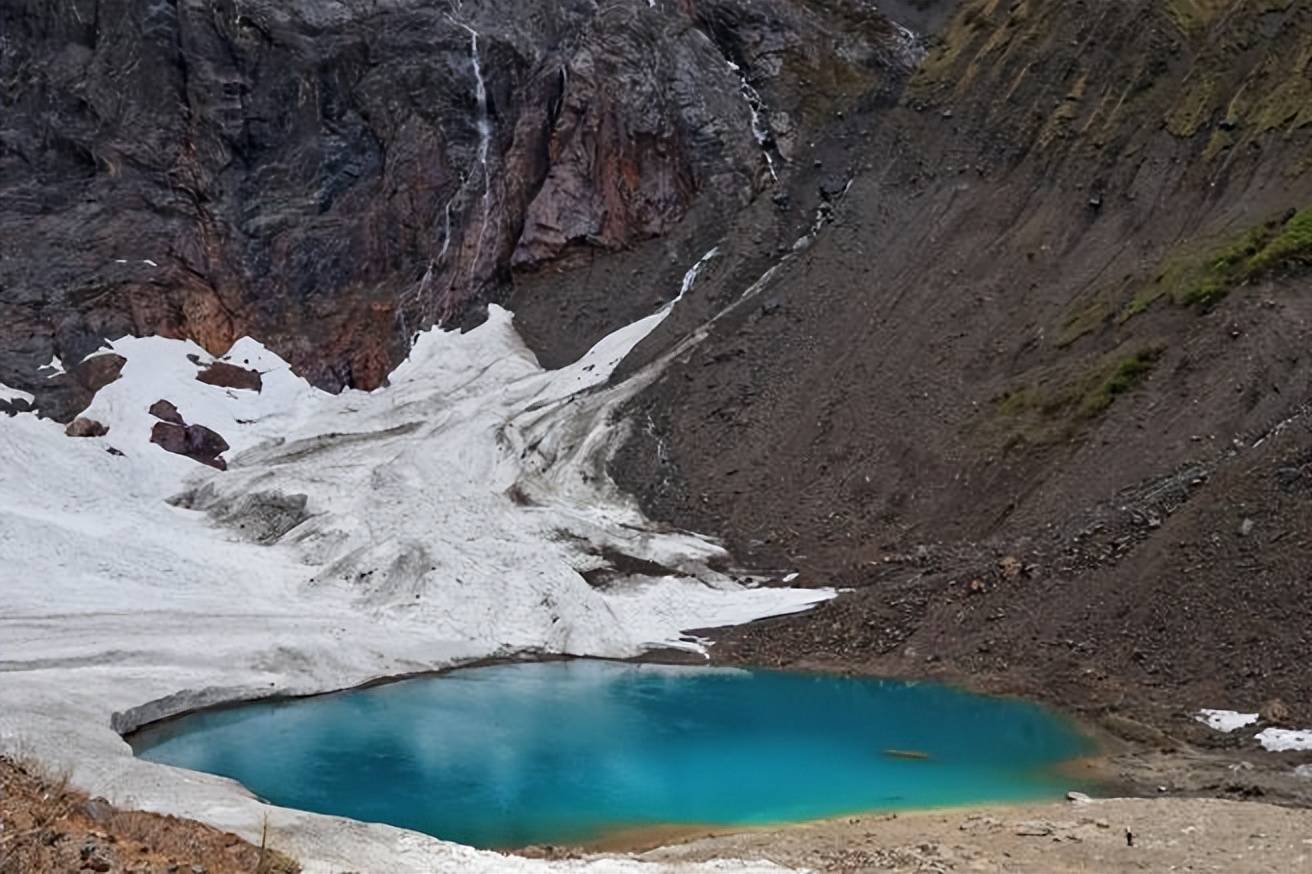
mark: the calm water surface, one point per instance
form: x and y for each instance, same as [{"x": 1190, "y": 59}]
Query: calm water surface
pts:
[{"x": 565, "y": 752}]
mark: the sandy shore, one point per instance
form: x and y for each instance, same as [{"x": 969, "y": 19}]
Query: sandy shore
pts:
[{"x": 1170, "y": 834}]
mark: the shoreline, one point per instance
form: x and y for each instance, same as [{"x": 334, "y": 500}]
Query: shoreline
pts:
[
  {"x": 126, "y": 725},
  {"x": 643, "y": 839},
  {"x": 1090, "y": 768}
]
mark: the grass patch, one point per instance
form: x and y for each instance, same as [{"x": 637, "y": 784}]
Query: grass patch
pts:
[
  {"x": 1086, "y": 321},
  {"x": 1126, "y": 375},
  {"x": 1290, "y": 248},
  {"x": 1193, "y": 16},
  {"x": 1049, "y": 412},
  {"x": 1268, "y": 249}
]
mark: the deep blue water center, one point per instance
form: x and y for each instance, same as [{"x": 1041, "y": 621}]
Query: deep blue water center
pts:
[{"x": 565, "y": 752}]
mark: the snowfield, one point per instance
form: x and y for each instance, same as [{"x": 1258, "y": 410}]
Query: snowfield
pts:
[
  {"x": 1225, "y": 720},
  {"x": 445, "y": 518},
  {"x": 1273, "y": 740}
]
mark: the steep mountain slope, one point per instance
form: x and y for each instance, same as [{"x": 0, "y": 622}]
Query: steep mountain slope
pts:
[{"x": 1022, "y": 391}]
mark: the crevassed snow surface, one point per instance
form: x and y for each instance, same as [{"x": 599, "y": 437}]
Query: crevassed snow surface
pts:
[
  {"x": 1225, "y": 720},
  {"x": 442, "y": 519}
]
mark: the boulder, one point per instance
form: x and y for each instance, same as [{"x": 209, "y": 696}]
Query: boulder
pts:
[
  {"x": 226, "y": 375},
  {"x": 194, "y": 441},
  {"x": 84, "y": 427},
  {"x": 166, "y": 411}
]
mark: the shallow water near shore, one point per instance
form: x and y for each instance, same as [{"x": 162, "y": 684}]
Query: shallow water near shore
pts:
[{"x": 569, "y": 752}]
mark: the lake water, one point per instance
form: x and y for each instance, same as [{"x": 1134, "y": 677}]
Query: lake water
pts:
[{"x": 567, "y": 752}]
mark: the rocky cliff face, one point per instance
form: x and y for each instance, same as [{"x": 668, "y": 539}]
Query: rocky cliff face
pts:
[{"x": 332, "y": 177}]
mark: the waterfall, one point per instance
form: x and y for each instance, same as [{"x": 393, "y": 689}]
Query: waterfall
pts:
[
  {"x": 484, "y": 124},
  {"x": 690, "y": 278},
  {"x": 760, "y": 130}
]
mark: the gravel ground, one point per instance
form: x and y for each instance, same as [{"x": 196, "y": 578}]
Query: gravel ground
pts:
[{"x": 1172, "y": 834}]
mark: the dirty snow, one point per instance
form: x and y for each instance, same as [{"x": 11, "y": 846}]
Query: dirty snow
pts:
[
  {"x": 442, "y": 519},
  {"x": 1283, "y": 740},
  {"x": 1225, "y": 720}
]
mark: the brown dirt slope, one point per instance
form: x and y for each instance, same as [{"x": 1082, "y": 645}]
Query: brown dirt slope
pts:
[
  {"x": 1040, "y": 391},
  {"x": 47, "y": 827}
]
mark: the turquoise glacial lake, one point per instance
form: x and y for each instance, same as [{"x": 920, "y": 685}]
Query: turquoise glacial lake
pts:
[{"x": 572, "y": 751}]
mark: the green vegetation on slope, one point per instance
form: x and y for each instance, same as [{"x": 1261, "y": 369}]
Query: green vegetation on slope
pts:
[
  {"x": 1051, "y": 409},
  {"x": 1230, "y": 72},
  {"x": 1126, "y": 375},
  {"x": 1267, "y": 249}
]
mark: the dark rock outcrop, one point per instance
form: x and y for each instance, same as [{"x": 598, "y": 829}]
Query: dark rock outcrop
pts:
[
  {"x": 226, "y": 375},
  {"x": 63, "y": 396},
  {"x": 194, "y": 441},
  {"x": 166, "y": 411}
]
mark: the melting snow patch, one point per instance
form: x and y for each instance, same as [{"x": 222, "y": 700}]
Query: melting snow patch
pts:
[
  {"x": 14, "y": 394},
  {"x": 1225, "y": 720},
  {"x": 56, "y": 367},
  {"x": 1283, "y": 740}
]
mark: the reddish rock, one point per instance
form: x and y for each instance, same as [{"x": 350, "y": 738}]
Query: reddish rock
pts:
[
  {"x": 194, "y": 441},
  {"x": 172, "y": 437},
  {"x": 99, "y": 371},
  {"x": 164, "y": 410},
  {"x": 226, "y": 375},
  {"x": 83, "y": 427}
]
